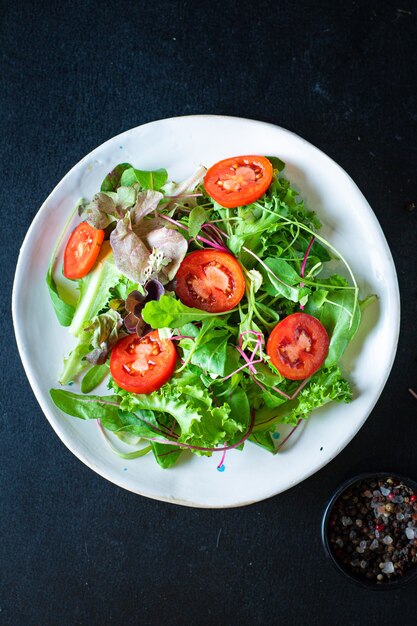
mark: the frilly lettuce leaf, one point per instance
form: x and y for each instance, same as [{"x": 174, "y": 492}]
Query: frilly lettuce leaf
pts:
[
  {"x": 130, "y": 253},
  {"x": 146, "y": 202},
  {"x": 326, "y": 385},
  {"x": 107, "y": 207},
  {"x": 143, "y": 249},
  {"x": 200, "y": 421},
  {"x": 172, "y": 245}
]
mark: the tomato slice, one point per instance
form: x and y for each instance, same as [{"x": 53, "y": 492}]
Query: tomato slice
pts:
[
  {"x": 143, "y": 364},
  {"x": 298, "y": 346},
  {"x": 82, "y": 250},
  {"x": 239, "y": 180},
  {"x": 210, "y": 280}
]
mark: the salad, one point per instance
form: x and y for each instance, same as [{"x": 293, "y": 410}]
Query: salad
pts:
[{"x": 213, "y": 306}]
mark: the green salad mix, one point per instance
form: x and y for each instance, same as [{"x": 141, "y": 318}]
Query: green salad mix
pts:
[{"x": 223, "y": 389}]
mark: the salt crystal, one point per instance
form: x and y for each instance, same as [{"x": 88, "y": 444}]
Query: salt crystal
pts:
[
  {"x": 362, "y": 544},
  {"x": 359, "y": 523},
  {"x": 385, "y": 491},
  {"x": 398, "y": 499},
  {"x": 380, "y": 509},
  {"x": 339, "y": 542},
  {"x": 377, "y": 534},
  {"x": 410, "y": 533},
  {"x": 363, "y": 564},
  {"x": 367, "y": 494},
  {"x": 400, "y": 516},
  {"x": 352, "y": 534},
  {"x": 374, "y": 544},
  {"x": 360, "y": 550},
  {"x": 346, "y": 521},
  {"x": 376, "y": 493},
  {"x": 387, "y": 540},
  {"x": 388, "y": 567}
]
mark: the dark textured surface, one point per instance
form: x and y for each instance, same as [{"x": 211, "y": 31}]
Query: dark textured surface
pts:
[{"x": 75, "y": 549}]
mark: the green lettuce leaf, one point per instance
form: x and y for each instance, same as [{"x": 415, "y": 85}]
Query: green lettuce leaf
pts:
[
  {"x": 326, "y": 385},
  {"x": 94, "y": 290}
]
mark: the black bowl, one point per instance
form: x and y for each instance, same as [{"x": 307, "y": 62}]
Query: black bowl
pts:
[{"x": 409, "y": 575}]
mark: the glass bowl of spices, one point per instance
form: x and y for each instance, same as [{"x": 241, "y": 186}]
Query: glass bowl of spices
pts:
[{"x": 369, "y": 530}]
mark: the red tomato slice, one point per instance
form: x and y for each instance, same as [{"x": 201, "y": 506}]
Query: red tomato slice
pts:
[
  {"x": 143, "y": 364},
  {"x": 82, "y": 250},
  {"x": 239, "y": 180},
  {"x": 298, "y": 346},
  {"x": 210, "y": 280}
]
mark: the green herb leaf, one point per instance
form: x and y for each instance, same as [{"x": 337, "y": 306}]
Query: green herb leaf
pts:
[
  {"x": 166, "y": 456},
  {"x": 94, "y": 377},
  {"x": 340, "y": 315},
  {"x": 172, "y": 313},
  {"x": 211, "y": 354},
  {"x": 112, "y": 180},
  {"x": 197, "y": 218},
  {"x": 147, "y": 180},
  {"x": 263, "y": 439},
  {"x": 277, "y": 164},
  {"x": 86, "y": 407},
  {"x": 282, "y": 271}
]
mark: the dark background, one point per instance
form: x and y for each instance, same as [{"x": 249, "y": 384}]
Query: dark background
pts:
[{"x": 76, "y": 549}]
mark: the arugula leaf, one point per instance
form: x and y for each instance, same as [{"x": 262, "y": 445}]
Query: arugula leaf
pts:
[
  {"x": 263, "y": 438},
  {"x": 94, "y": 377},
  {"x": 86, "y": 407},
  {"x": 289, "y": 277},
  {"x": 167, "y": 312},
  {"x": 166, "y": 456},
  {"x": 147, "y": 180},
  {"x": 339, "y": 313},
  {"x": 128, "y": 424},
  {"x": 112, "y": 180},
  {"x": 211, "y": 356},
  {"x": 277, "y": 164},
  {"x": 196, "y": 219}
]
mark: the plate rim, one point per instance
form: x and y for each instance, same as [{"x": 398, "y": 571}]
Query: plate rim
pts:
[{"x": 38, "y": 393}]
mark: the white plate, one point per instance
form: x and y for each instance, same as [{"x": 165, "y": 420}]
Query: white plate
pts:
[{"x": 179, "y": 145}]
